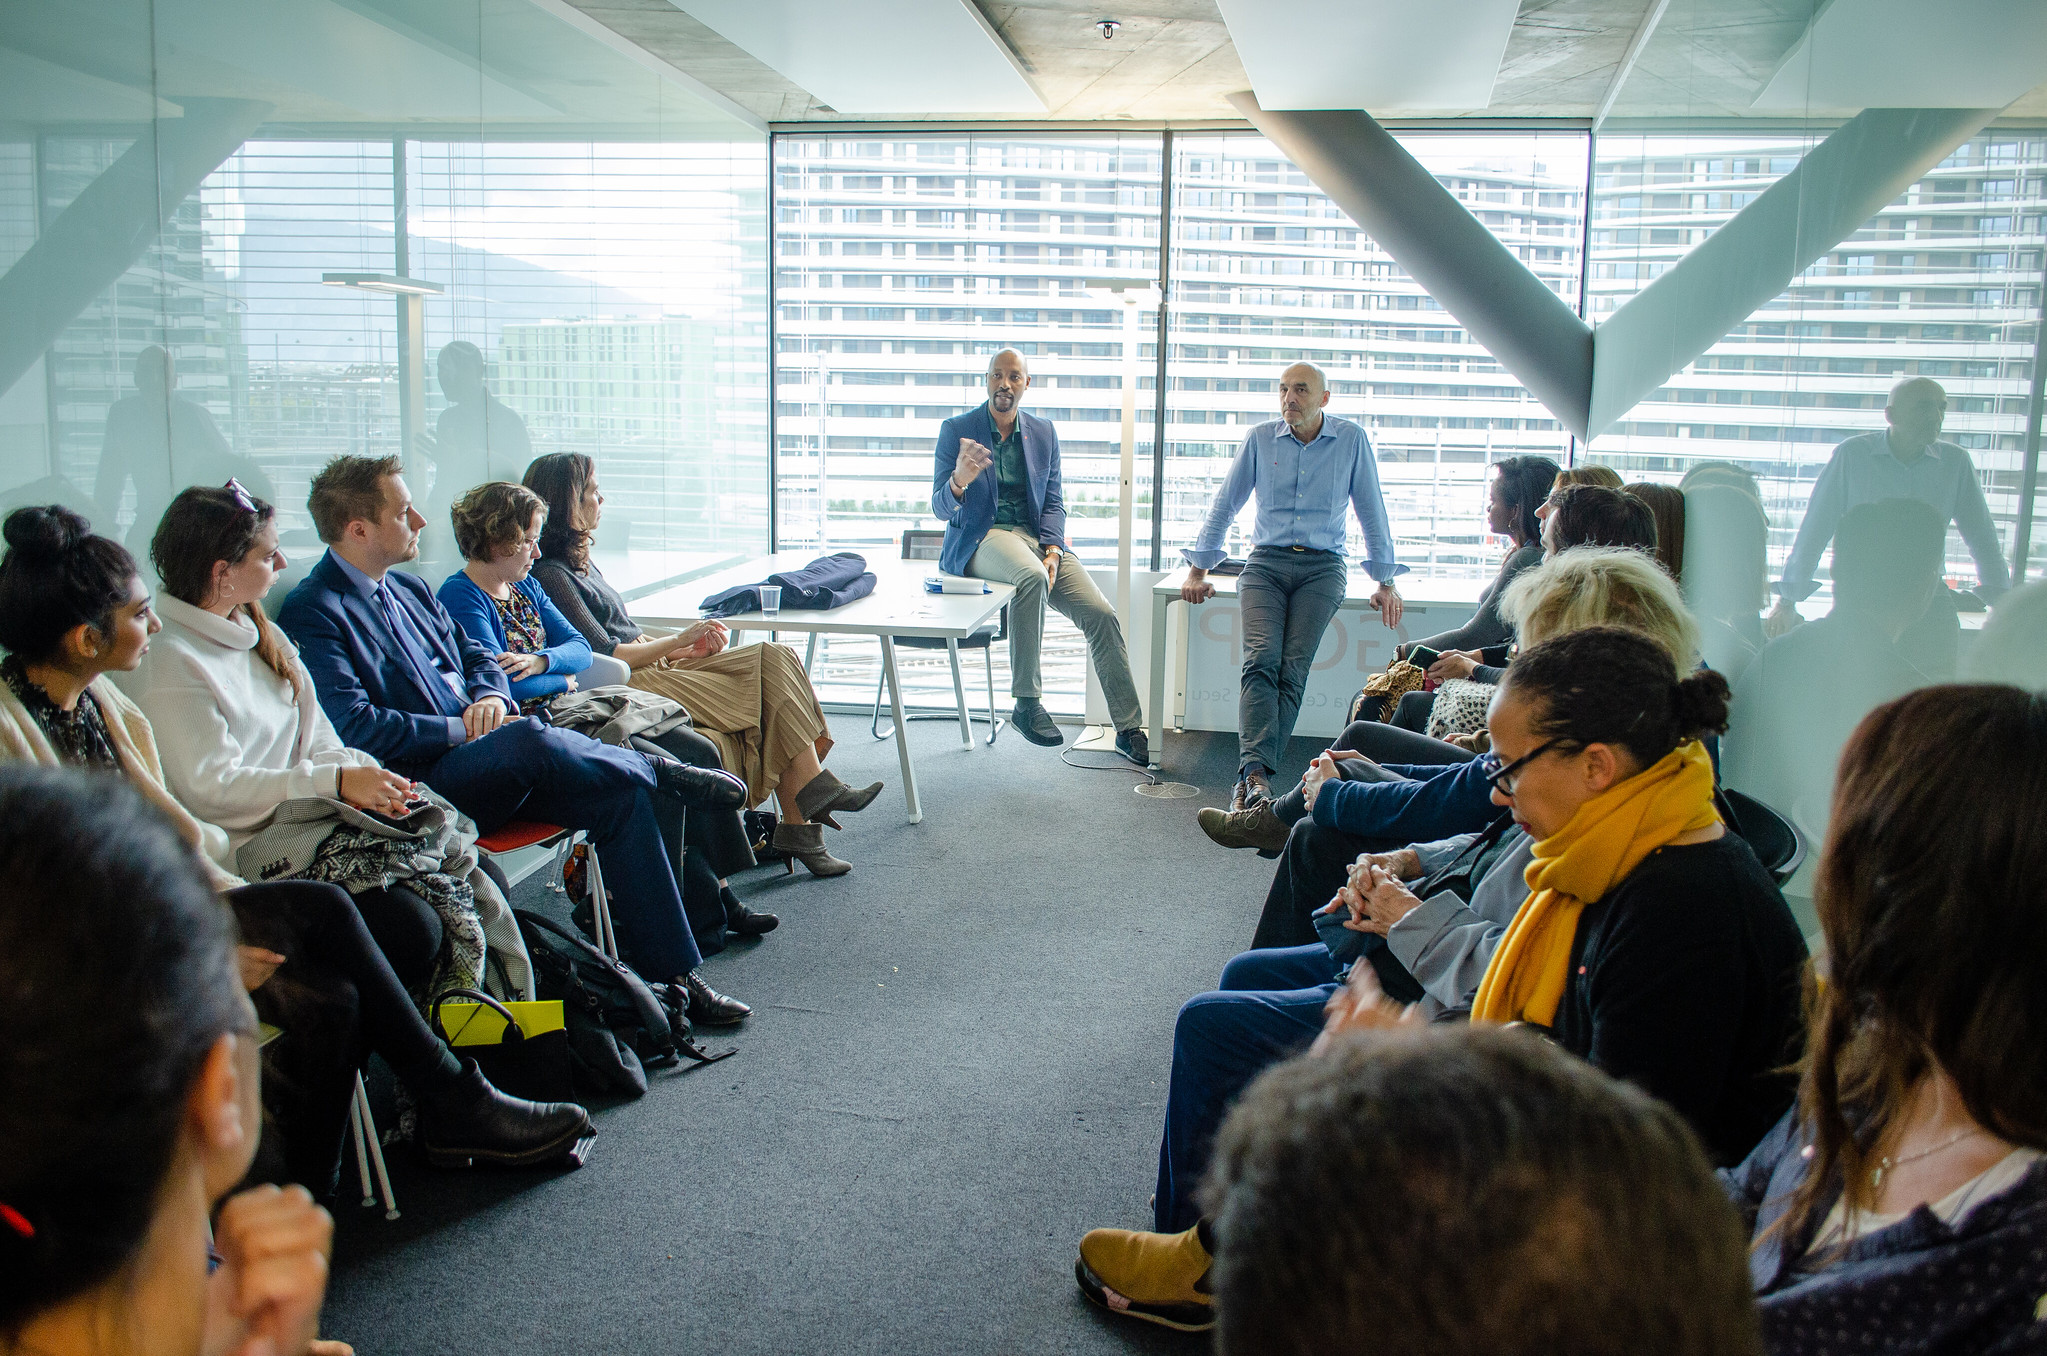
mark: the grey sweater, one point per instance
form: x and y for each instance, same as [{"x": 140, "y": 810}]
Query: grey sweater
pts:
[{"x": 1487, "y": 627}]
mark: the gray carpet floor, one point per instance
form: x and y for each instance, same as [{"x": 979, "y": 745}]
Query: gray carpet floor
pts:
[{"x": 956, "y": 1066}]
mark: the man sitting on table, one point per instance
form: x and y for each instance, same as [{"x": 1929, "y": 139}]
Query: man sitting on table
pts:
[
  {"x": 1009, "y": 525},
  {"x": 1303, "y": 467},
  {"x": 402, "y": 683}
]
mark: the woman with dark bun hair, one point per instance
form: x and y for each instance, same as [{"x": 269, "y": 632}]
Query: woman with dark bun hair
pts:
[
  {"x": 73, "y": 610},
  {"x": 1652, "y": 943},
  {"x": 128, "y": 1082},
  {"x": 1901, "y": 1206}
]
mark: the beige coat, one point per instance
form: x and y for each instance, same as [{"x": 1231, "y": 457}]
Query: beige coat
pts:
[{"x": 22, "y": 741}]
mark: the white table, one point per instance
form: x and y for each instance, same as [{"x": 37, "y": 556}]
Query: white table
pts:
[
  {"x": 899, "y": 606},
  {"x": 1358, "y": 589}
]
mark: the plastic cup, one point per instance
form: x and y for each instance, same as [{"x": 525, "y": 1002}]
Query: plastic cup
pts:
[{"x": 771, "y": 599}]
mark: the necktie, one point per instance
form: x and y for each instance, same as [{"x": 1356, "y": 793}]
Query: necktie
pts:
[{"x": 413, "y": 650}]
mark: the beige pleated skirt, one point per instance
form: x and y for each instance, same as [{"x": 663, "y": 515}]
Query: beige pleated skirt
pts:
[{"x": 754, "y": 702}]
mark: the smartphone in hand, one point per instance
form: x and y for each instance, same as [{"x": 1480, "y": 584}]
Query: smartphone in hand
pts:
[{"x": 1421, "y": 656}]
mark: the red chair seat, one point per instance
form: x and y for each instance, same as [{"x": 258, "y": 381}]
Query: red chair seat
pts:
[{"x": 518, "y": 834}]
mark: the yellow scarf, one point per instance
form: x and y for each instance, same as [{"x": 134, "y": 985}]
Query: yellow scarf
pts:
[{"x": 1606, "y": 839}]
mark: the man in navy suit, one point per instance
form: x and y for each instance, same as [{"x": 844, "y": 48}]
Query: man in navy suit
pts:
[
  {"x": 996, "y": 484},
  {"x": 402, "y": 682}
]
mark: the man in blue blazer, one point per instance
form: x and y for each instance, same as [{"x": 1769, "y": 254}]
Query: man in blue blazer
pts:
[
  {"x": 995, "y": 482},
  {"x": 402, "y": 682}
]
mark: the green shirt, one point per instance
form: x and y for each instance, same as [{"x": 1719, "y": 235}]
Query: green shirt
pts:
[{"x": 1012, "y": 480}]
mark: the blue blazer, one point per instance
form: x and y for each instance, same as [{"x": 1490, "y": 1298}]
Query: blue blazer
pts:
[
  {"x": 478, "y": 618},
  {"x": 968, "y": 519},
  {"x": 365, "y": 688}
]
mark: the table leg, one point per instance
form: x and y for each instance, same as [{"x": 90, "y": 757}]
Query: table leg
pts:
[
  {"x": 810, "y": 652},
  {"x": 959, "y": 693},
  {"x": 1159, "y": 603},
  {"x": 895, "y": 703}
]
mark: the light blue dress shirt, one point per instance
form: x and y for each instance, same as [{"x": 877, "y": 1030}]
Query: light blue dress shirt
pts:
[{"x": 1302, "y": 492}]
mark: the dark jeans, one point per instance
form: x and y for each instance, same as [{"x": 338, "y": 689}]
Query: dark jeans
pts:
[
  {"x": 1380, "y": 744},
  {"x": 337, "y": 998},
  {"x": 1285, "y": 599},
  {"x": 1311, "y": 870},
  {"x": 703, "y": 844},
  {"x": 528, "y": 770},
  {"x": 1266, "y": 1008}
]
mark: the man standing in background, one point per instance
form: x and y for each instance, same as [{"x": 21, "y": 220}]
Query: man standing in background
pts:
[
  {"x": 996, "y": 484},
  {"x": 1304, "y": 467}
]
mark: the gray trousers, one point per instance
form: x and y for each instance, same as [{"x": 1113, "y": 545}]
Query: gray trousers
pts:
[
  {"x": 1285, "y": 599},
  {"x": 1009, "y": 556}
]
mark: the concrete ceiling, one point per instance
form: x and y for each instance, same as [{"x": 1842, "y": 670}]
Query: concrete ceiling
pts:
[{"x": 1174, "y": 59}]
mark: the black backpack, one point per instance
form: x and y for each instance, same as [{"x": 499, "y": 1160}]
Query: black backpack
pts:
[{"x": 619, "y": 1025}]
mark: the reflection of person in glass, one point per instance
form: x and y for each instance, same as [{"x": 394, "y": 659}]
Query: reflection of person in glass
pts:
[
  {"x": 478, "y": 438},
  {"x": 1907, "y": 461},
  {"x": 163, "y": 442}
]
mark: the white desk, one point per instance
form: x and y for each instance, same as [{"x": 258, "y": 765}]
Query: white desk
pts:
[
  {"x": 1358, "y": 588},
  {"x": 899, "y": 606}
]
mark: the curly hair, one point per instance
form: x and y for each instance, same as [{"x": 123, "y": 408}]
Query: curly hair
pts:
[
  {"x": 1610, "y": 685},
  {"x": 494, "y": 517}
]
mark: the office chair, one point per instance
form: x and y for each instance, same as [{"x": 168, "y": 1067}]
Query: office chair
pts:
[
  {"x": 1777, "y": 843},
  {"x": 921, "y": 544}
]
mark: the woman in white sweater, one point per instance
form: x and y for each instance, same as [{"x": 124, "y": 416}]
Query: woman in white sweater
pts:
[{"x": 73, "y": 613}]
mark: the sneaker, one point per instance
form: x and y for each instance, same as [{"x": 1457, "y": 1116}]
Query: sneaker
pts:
[
  {"x": 1160, "y": 1278},
  {"x": 1133, "y": 745},
  {"x": 1035, "y": 723},
  {"x": 1257, "y": 827}
]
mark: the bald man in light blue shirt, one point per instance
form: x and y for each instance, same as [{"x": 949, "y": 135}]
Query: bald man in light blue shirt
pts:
[{"x": 1306, "y": 468}]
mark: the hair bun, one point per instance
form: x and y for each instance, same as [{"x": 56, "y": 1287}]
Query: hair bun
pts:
[
  {"x": 1699, "y": 704},
  {"x": 47, "y": 531}
]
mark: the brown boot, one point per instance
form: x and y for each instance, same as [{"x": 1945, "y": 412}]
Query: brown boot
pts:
[
  {"x": 824, "y": 795},
  {"x": 805, "y": 843}
]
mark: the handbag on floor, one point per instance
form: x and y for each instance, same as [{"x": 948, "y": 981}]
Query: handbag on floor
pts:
[
  {"x": 522, "y": 1048},
  {"x": 618, "y": 1024}
]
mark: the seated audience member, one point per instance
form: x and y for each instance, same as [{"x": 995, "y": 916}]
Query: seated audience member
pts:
[
  {"x": 1667, "y": 507},
  {"x": 754, "y": 703},
  {"x": 1593, "y": 515},
  {"x": 1805, "y": 692},
  {"x": 2012, "y": 647},
  {"x": 1343, "y": 811},
  {"x": 1517, "y": 489},
  {"x": 1468, "y": 1193},
  {"x": 128, "y": 1084},
  {"x": 1901, "y": 1205},
  {"x": 1651, "y": 942},
  {"x": 1580, "y": 513},
  {"x": 73, "y": 609},
  {"x": 497, "y": 603},
  {"x": 400, "y": 682}
]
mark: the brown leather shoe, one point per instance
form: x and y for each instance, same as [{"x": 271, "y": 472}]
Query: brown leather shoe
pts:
[{"x": 1255, "y": 827}]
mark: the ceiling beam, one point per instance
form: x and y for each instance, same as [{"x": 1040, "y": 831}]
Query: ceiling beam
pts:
[{"x": 1643, "y": 32}]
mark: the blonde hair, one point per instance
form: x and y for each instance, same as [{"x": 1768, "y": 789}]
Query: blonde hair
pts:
[
  {"x": 1601, "y": 586},
  {"x": 1587, "y": 474}
]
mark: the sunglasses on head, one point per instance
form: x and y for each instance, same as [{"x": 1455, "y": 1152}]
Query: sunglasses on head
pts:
[{"x": 241, "y": 496}]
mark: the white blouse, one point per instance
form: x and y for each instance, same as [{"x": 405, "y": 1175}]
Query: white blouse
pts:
[{"x": 237, "y": 740}]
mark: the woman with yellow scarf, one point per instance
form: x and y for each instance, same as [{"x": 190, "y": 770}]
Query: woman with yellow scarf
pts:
[{"x": 1652, "y": 943}]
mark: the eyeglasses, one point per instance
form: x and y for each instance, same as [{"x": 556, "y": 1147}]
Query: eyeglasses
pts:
[
  {"x": 239, "y": 495},
  {"x": 1504, "y": 780}
]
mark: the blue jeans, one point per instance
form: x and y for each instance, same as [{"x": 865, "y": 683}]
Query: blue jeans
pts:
[
  {"x": 1285, "y": 599},
  {"x": 527, "y": 770},
  {"x": 1268, "y": 1007}
]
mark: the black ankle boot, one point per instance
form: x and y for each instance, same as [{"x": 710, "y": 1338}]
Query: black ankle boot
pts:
[
  {"x": 741, "y": 921},
  {"x": 700, "y": 788},
  {"x": 466, "y": 1120}
]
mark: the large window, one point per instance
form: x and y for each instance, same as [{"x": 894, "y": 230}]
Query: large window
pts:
[
  {"x": 1943, "y": 283},
  {"x": 592, "y": 243}
]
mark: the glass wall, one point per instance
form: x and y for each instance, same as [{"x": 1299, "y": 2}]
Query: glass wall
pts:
[{"x": 589, "y": 245}]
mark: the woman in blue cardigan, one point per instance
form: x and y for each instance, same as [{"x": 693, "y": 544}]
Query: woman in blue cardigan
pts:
[{"x": 495, "y": 600}]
